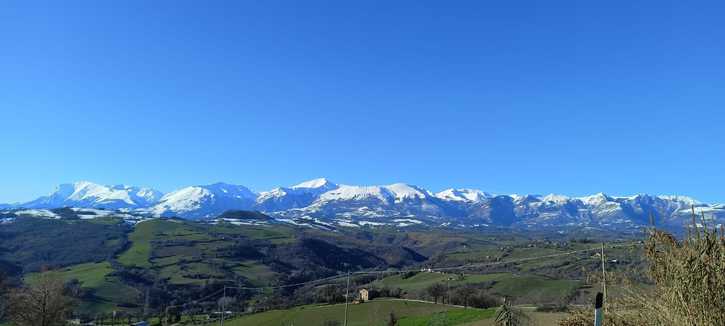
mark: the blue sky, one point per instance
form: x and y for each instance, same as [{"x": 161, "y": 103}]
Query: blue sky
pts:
[{"x": 566, "y": 97}]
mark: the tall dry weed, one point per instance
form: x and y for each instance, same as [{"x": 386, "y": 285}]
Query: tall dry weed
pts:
[{"x": 688, "y": 278}]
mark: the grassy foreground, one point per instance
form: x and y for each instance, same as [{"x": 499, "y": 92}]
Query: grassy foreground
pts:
[{"x": 376, "y": 312}]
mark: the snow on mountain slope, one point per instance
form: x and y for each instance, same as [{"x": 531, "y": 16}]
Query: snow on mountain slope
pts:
[
  {"x": 463, "y": 195},
  {"x": 346, "y": 193},
  {"x": 208, "y": 201},
  {"x": 89, "y": 194},
  {"x": 402, "y": 192},
  {"x": 297, "y": 196},
  {"x": 597, "y": 199},
  {"x": 553, "y": 198},
  {"x": 396, "y": 192},
  {"x": 395, "y": 200},
  {"x": 320, "y": 184},
  {"x": 322, "y": 200}
]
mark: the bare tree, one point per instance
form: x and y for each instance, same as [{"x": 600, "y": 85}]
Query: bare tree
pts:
[
  {"x": 41, "y": 304},
  {"x": 436, "y": 291},
  {"x": 464, "y": 294}
]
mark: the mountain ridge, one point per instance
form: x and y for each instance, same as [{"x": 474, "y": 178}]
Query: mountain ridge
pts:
[{"x": 322, "y": 200}]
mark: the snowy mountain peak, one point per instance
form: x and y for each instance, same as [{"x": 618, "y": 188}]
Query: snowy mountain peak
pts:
[
  {"x": 297, "y": 196},
  {"x": 682, "y": 199},
  {"x": 85, "y": 189},
  {"x": 596, "y": 199},
  {"x": 182, "y": 200},
  {"x": 320, "y": 198},
  {"x": 554, "y": 198},
  {"x": 230, "y": 190},
  {"x": 403, "y": 191},
  {"x": 345, "y": 192},
  {"x": 315, "y": 184},
  {"x": 93, "y": 195},
  {"x": 463, "y": 195},
  {"x": 204, "y": 201}
]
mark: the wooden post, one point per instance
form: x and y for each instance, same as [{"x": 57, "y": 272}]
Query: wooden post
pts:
[{"x": 598, "y": 315}]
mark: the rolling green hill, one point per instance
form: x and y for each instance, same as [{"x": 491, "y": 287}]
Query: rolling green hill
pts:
[
  {"x": 521, "y": 288},
  {"x": 104, "y": 292},
  {"x": 177, "y": 261},
  {"x": 375, "y": 312}
]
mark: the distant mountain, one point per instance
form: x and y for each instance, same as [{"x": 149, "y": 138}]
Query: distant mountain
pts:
[
  {"x": 374, "y": 201},
  {"x": 91, "y": 195},
  {"x": 323, "y": 203},
  {"x": 198, "y": 202},
  {"x": 301, "y": 195},
  {"x": 464, "y": 195}
]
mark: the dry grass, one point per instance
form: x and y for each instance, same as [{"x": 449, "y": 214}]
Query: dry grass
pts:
[{"x": 689, "y": 283}]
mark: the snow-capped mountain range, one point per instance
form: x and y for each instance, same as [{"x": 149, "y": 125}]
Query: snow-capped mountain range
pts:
[
  {"x": 326, "y": 202},
  {"x": 91, "y": 195}
]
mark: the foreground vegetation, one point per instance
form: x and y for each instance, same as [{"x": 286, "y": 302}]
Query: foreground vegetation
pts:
[{"x": 688, "y": 283}]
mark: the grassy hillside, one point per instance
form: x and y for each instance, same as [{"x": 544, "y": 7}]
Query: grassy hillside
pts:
[
  {"x": 421, "y": 281},
  {"x": 178, "y": 261},
  {"x": 520, "y": 288},
  {"x": 375, "y": 312},
  {"x": 30, "y": 244},
  {"x": 140, "y": 251},
  {"x": 103, "y": 291}
]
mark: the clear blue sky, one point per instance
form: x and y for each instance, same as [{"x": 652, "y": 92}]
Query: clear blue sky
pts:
[{"x": 571, "y": 97}]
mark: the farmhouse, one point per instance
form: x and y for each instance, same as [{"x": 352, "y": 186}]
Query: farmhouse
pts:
[{"x": 364, "y": 295}]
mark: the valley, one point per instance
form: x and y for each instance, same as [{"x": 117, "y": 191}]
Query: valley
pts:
[{"x": 159, "y": 266}]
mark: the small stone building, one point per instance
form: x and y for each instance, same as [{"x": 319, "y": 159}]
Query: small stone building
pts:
[{"x": 364, "y": 295}]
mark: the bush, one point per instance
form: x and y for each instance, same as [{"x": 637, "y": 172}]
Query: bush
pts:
[
  {"x": 483, "y": 300},
  {"x": 552, "y": 308}
]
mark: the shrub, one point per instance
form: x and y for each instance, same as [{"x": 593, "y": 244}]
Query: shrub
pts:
[{"x": 689, "y": 283}]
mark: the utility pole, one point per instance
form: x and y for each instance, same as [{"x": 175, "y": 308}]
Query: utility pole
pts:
[
  {"x": 146, "y": 303},
  {"x": 604, "y": 276},
  {"x": 222, "y": 307},
  {"x": 165, "y": 321},
  {"x": 448, "y": 290},
  {"x": 347, "y": 295}
]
